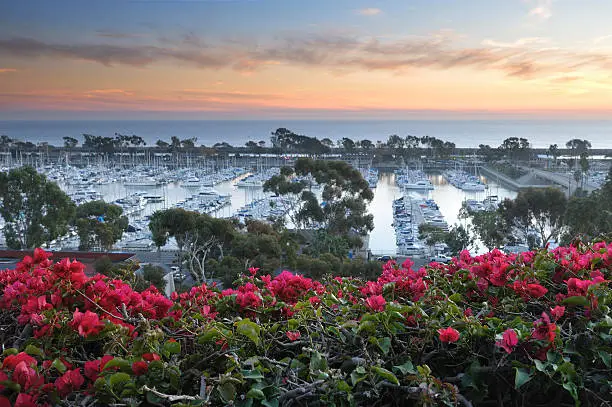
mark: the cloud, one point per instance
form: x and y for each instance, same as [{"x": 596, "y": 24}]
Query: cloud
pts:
[
  {"x": 119, "y": 92},
  {"x": 369, "y": 11},
  {"x": 521, "y": 42},
  {"x": 542, "y": 9},
  {"x": 7, "y": 70},
  {"x": 117, "y": 34},
  {"x": 524, "y": 58}
]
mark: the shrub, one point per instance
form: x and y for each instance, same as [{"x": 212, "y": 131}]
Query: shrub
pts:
[{"x": 520, "y": 329}]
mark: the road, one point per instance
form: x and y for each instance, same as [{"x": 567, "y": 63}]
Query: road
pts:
[{"x": 565, "y": 180}]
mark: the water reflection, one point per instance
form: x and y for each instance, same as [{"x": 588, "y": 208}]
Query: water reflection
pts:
[{"x": 448, "y": 197}]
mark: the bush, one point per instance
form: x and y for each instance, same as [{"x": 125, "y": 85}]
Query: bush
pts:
[{"x": 520, "y": 329}]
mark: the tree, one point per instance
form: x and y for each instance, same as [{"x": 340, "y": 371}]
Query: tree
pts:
[
  {"x": 152, "y": 275},
  {"x": 395, "y": 142},
  {"x": 489, "y": 227},
  {"x": 35, "y": 210},
  {"x": 197, "y": 237},
  {"x": 70, "y": 142},
  {"x": 553, "y": 151},
  {"x": 251, "y": 145},
  {"x": 162, "y": 144},
  {"x": 591, "y": 216},
  {"x": 100, "y": 143},
  {"x": 285, "y": 139},
  {"x": 189, "y": 143},
  {"x": 542, "y": 209},
  {"x": 458, "y": 238},
  {"x": 99, "y": 225},
  {"x": 343, "y": 209},
  {"x": 584, "y": 167},
  {"x": 366, "y": 144},
  {"x": 175, "y": 143},
  {"x": 347, "y": 144}
]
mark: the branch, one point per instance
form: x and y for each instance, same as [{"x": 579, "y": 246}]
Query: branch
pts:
[{"x": 170, "y": 397}]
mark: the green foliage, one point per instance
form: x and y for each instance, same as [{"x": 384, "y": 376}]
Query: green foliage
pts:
[
  {"x": 539, "y": 208},
  {"x": 345, "y": 195},
  {"x": 36, "y": 210},
  {"x": 153, "y": 275},
  {"x": 100, "y": 225}
]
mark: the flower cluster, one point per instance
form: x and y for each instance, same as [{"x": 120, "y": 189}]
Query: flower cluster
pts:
[{"x": 96, "y": 337}]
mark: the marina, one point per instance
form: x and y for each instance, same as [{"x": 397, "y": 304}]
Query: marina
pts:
[{"x": 236, "y": 191}]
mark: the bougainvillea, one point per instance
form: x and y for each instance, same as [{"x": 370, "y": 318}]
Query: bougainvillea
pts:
[{"x": 522, "y": 329}]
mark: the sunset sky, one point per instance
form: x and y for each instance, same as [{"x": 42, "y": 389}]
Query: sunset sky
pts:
[{"x": 305, "y": 59}]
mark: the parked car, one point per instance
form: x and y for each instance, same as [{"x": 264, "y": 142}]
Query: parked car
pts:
[
  {"x": 440, "y": 258},
  {"x": 385, "y": 258}
]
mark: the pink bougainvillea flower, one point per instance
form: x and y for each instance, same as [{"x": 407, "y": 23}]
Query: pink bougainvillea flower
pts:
[
  {"x": 293, "y": 335},
  {"x": 448, "y": 335},
  {"x": 557, "y": 312},
  {"x": 86, "y": 323},
  {"x": 26, "y": 376},
  {"x": 70, "y": 381},
  {"x": 25, "y": 400},
  {"x": 376, "y": 303},
  {"x": 12, "y": 361},
  {"x": 544, "y": 330},
  {"x": 140, "y": 367},
  {"x": 509, "y": 340},
  {"x": 150, "y": 357}
]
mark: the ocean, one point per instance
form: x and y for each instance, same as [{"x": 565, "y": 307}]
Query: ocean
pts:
[{"x": 464, "y": 133}]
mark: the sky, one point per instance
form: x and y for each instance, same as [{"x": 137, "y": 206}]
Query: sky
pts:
[{"x": 305, "y": 59}]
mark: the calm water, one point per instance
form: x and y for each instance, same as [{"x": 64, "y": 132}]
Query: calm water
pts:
[
  {"x": 448, "y": 197},
  {"x": 464, "y": 133}
]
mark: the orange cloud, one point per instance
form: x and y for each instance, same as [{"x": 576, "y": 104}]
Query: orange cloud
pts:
[{"x": 7, "y": 70}]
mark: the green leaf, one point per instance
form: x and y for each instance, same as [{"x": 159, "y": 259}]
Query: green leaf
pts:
[
  {"x": 57, "y": 364},
  {"x": 384, "y": 344},
  {"x": 576, "y": 300},
  {"x": 118, "y": 380},
  {"x": 172, "y": 347},
  {"x": 605, "y": 357},
  {"x": 209, "y": 336},
  {"x": 34, "y": 351},
  {"x": 292, "y": 324},
  {"x": 317, "y": 362},
  {"x": 456, "y": 298},
  {"x": 252, "y": 374},
  {"x": 343, "y": 386},
  {"x": 10, "y": 351},
  {"x": 541, "y": 366},
  {"x": 522, "y": 376},
  {"x": 249, "y": 329},
  {"x": 255, "y": 394},
  {"x": 385, "y": 374},
  {"x": 122, "y": 364},
  {"x": 270, "y": 403},
  {"x": 573, "y": 390},
  {"x": 406, "y": 368},
  {"x": 227, "y": 391}
]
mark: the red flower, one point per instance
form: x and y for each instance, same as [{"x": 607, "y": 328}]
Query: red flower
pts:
[
  {"x": 149, "y": 357},
  {"x": 376, "y": 303},
  {"x": 4, "y": 402},
  {"x": 26, "y": 376},
  {"x": 543, "y": 329},
  {"x": 87, "y": 323},
  {"x": 536, "y": 290},
  {"x": 557, "y": 312},
  {"x": 140, "y": 367},
  {"x": 314, "y": 301},
  {"x": 509, "y": 340},
  {"x": 12, "y": 361},
  {"x": 69, "y": 382},
  {"x": 25, "y": 400},
  {"x": 293, "y": 335},
  {"x": 448, "y": 334}
]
